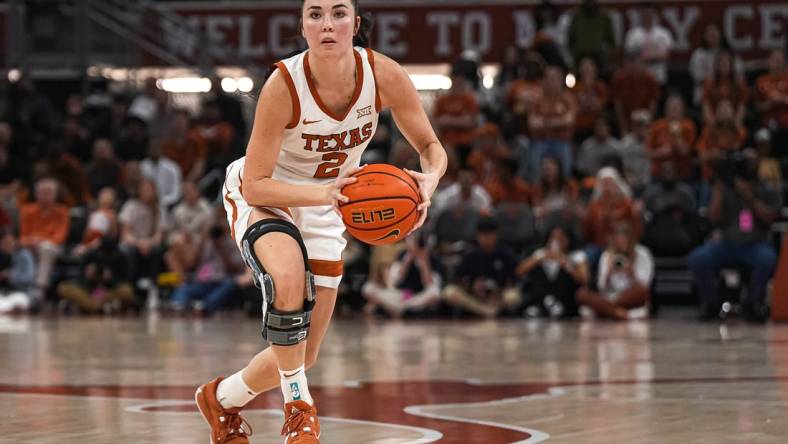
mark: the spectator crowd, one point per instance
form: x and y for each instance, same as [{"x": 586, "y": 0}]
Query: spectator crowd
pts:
[{"x": 570, "y": 179}]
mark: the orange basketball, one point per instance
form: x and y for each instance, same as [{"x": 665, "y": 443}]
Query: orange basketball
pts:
[{"x": 382, "y": 206}]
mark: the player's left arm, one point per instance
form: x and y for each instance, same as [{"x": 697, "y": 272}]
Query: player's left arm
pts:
[{"x": 398, "y": 93}]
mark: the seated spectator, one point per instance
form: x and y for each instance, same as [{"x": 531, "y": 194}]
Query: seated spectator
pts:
[
  {"x": 17, "y": 274},
  {"x": 103, "y": 282},
  {"x": 592, "y": 97},
  {"x": 742, "y": 209},
  {"x": 672, "y": 225},
  {"x": 632, "y": 151},
  {"x": 591, "y": 34},
  {"x": 218, "y": 271},
  {"x": 634, "y": 88},
  {"x": 104, "y": 170},
  {"x": 456, "y": 115},
  {"x": 485, "y": 276},
  {"x": 412, "y": 282},
  {"x": 506, "y": 185},
  {"x": 625, "y": 273},
  {"x": 185, "y": 147},
  {"x": 593, "y": 152},
  {"x": 772, "y": 89},
  {"x": 487, "y": 151},
  {"x": 671, "y": 139},
  {"x": 769, "y": 170},
  {"x": 43, "y": 227},
  {"x": 611, "y": 203},
  {"x": 190, "y": 220},
  {"x": 724, "y": 85},
  {"x": 74, "y": 183},
  {"x": 555, "y": 193},
  {"x": 164, "y": 173},
  {"x": 553, "y": 275},
  {"x": 552, "y": 123},
  {"x": 721, "y": 135},
  {"x": 466, "y": 191},
  {"x": 652, "y": 43},
  {"x": 102, "y": 222},
  {"x": 142, "y": 223}
]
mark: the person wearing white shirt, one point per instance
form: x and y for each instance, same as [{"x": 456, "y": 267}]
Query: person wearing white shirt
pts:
[
  {"x": 165, "y": 173},
  {"x": 465, "y": 189},
  {"x": 625, "y": 273},
  {"x": 652, "y": 42}
]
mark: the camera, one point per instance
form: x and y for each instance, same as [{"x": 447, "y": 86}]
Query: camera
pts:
[
  {"x": 619, "y": 261},
  {"x": 735, "y": 164}
]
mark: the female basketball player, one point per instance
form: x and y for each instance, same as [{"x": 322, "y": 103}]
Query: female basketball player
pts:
[{"x": 315, "y": 116}]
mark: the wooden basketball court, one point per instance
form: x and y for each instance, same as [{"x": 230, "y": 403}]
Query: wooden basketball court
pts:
[{"x": 96, "y": 380}]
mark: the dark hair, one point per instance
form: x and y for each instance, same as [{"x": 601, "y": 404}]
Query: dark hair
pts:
[
  {"x": 487, "y": 224},
  {"x": 362, "y": 36}
]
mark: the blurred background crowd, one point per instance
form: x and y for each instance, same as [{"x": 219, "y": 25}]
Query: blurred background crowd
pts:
[{"x": 588, "y": 179}]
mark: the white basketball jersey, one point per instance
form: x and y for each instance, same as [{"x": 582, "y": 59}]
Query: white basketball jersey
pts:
[{"x": 319, "y": 145}]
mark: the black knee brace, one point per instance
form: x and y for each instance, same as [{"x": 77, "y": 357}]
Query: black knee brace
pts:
[{"x": 279, "y": 327}]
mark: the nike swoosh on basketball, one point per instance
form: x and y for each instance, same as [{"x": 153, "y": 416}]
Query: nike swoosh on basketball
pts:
[
  {"x": 393, "y": 233},
  {"x": 309, "y": 122}
]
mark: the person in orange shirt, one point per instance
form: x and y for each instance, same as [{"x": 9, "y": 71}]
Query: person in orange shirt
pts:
[
  {"x": 611, "y": 203},
  {"x": 552, "y": 122},
  {"x": 506, "y": 185},
  {"x": 634, "y": 87},
  {"x": 525, "y": 91},
  {"x": 456, "y": 115},
  {"x": 723, "y": 135},
  {"x": 671, "y": 139},
  {"x": 487, "y": 151},
  {"x": 772, "y": 89},
  {"x": 185, "y": 147},
  {"x": 43, "y": 227},
  {"x": 725, "y": 84},
  {"x": 217, "y": 136},
  {"x": 592, "y": 96}
]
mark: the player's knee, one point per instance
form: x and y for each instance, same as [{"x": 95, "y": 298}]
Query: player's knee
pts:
[{"x": 289, "y": 284}]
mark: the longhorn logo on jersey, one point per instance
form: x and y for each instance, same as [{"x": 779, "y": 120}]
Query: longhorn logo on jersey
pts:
[{"x": 337, "y": 142}]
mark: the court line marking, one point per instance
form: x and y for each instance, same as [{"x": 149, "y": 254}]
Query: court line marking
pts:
[
  {"x": 427, "y": 435},
  {"x": 537, "y": 436}
]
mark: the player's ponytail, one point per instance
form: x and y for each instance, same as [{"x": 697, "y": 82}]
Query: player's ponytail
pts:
[{"x": 362, "y": 36}]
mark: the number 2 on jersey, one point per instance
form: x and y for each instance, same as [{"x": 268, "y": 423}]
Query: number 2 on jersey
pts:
[{"x": 330, "y": 168}]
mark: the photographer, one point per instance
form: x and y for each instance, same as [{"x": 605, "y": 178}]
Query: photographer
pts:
[
  {"x": 412, "y": 282},
  {"x": 743, "y": 209},
  {"x": 625, "y": 272},
  {"x": 104, "y": 279},
  {"x": 553, "y": 275},
  {"x": 485, "y": 276}
]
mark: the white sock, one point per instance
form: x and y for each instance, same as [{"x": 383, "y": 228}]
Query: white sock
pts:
[
  {"x": 233, "y": 392},
  {"x": 294, "y": 385}
]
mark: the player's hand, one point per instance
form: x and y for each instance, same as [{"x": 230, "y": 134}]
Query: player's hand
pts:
[
  {"x": 427, "y": 185},
  {"x": 334, "y": 190}
]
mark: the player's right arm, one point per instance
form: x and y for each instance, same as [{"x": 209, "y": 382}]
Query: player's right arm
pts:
[{"x": 273, "y": 114}]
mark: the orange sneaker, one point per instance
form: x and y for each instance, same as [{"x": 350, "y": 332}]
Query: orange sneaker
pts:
[
  {"x": 227, "y": 426},
  {"x": 301, "y": 424}
]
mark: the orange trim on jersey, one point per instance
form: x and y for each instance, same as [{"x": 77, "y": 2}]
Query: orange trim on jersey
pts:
[
  {"x": 316, "y": 96},
  {"x": 326, "y": 268},
  {"x": 234, "y": 213},
  {"x": 371, "y": 57},
  {"x": 293, "y": 95}
]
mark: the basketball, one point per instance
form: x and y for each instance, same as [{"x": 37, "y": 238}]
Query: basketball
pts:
[{"x": 382, "y": 206}]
